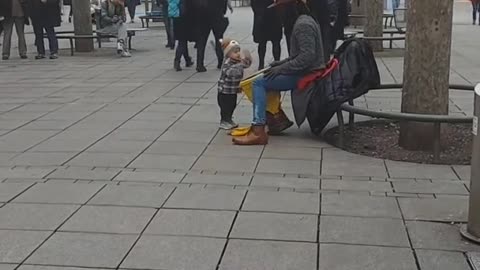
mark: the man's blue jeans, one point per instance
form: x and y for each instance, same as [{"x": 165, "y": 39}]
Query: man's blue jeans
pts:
[{"x": 260, "y": 88}]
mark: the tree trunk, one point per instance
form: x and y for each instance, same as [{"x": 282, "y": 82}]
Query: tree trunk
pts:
[
  {"x": 82, "y": 24},
  {"x": 358, "y": 9},
  {"x": 426, "y": 68},
  {"x": 374, "y": 23}
]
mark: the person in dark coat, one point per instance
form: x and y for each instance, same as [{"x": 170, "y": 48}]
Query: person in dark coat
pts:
[
  {"x": 209, "y": 16},
  {"x": 320, "y": 12},
  {"x": 288, "y": 14},
  {"x": 168, "y": 21},
  {"x": 267, "y": 26},
  {"x": 16, "y": 14},
  {"x": 180, "y": 12},
  {"x": 132, "y": 7},
  {"x": 45, "y": 14}
]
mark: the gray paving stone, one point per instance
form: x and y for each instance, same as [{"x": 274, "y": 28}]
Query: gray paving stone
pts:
[
  {"x": 266, "y": 255},
  {"x": 34, "y": 216},
  {"x": 59, "y": 193},
  {"x": 192, "y": 223},
  {"x": 360, "y": 206},
  {"x": 171, "y": 252},
  {"x": 41, "y": 159},
  {"x": 7, "y": 266},
  {"x": 115, "y": 160},
  {"x": 284, "y": 202},
  {"x": 140, "y": 196},
  {"x": 151, "y": 161},
  {"x": 291, "y": 166},
  {"x": 440, "y": 209},
  {"x": 225, "y": 164},
  {"x": 198, "y": 198},
  {"x": 463, "y": 172},
  {"x": 439, "y": 236},
  {"x": 338, "y": 162},
  {"x": 41, "y": 267},
  {"x": 356, "y": 185},
  {"x": 150, "y": 176},
  {"x": 273, "y": 226},
  {"x": 286, "y": 182},
  {"x": 363, "y": 231},
  {"x": 83, "y": 173},
  {"x": 441, "y": 260},
  {"x": 176, "y": 148},
  {"x": 299, "y": 153},
  {"x": 355, "y": 257},
  {"x": 109, "y": 219},
  {"x": 423, "y": 171},
  {"x": 8, "y": 191},
  {"x": 216, "y": 150},
  {"x": 224, "y": 179},
  {"x": 22, "y": 172},
  {"x": 202, "y": 137},
  {"x": 452, "y": 187},
  {"x": 118, "y": 146},
  {"x": 15, "y": 246},
  {"x": 83, "y": 250}
]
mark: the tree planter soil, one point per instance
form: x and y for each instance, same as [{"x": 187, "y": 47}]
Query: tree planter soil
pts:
[{"x": 379, "y": 139}]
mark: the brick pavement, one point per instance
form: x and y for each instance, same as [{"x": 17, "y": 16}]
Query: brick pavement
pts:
[{"x": 109, "y": 163}]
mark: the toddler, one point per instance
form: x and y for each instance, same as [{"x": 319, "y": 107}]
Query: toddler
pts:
[{"x": 229, "y": 82}]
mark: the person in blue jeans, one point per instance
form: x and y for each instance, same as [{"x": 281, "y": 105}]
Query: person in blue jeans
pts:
[
  {"x": 475, "y": 10},
  {"x": 306, "y": 55}
]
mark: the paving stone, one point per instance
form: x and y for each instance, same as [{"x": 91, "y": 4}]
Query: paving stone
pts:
[
  {"x": 440, "y": 209},
  {"x": 356, "y": 185},
  {"x": 266, "y": 255},
  {"x": 151, "y": 161},
  {"x": 8, "y": 191},
  {"x": 171, "y": 252},
  {"x": 176, "y": 148},
  {"x": 273, "y": 226},
  {"x": 25, "y": 172},
  {"x": 192, "y": 223},
  {"x": 34, "y": 216},
  {"x": 286, "y": 182},
  {"x": 338, "y": 162},
  {"x": 115, "y": 160},
  {"x": 284, "y": 202},
  {"x": 7, "y": 266},
  {"x": 83, "y": 250},
  {"x": 225, "y": 164},
  {"x": 457, "y": 188},
  {"x": 441, "y": 260},
  {"x": 118, "y": 146},
  {"x": 439, "y": 236},
  {"x": 140, "y": 196},
  {"x": 291, "y": 166},
  {"x": 198, "y": 198},
  {"x": 363, "y": 231},
  {"x": 109, "y": 219},
  {"x": 412, "y": 170},
  {"x": 150, "y": 176},
  {"x": 41, "y": 267},
  {"x": 218, "y": 179},
  {"x": 360, "y": 206},
  {"x": 356, "y": 257},
  {"x": 41, "y": 159},
  {"x": 464, "y": 172},
  {"x": 202, "y": 137},
  {"x": 240, "y": 151},
  {"x": 59, "y": 193},
  {"x": 15, "y": 246},
  {"x": 83, "y": 173},
  {"x": 298, "y": 153}
]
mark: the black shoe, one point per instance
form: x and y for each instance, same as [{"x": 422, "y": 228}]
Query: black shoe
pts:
[
  {"x": 40, "y": 56},
  {"x": 5, "y": 57},
  {"x": 23, "y": 57},
  {"x": 189, "y": 62},
  {"x": 201, "y": 69},
  {"x": 176, "y": 65},
  {"x": 54, "y": 56},
  {"x": 69, "y": 19},
  {"x": 219, "y": 65}
]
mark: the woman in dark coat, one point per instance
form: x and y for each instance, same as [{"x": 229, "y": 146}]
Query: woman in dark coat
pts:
[
  {"x": 267, "y": 26},
  {"x": 180, "y": 12},
  {"x": 45, "y": 14},
  {"x": 132, "y": 7}
]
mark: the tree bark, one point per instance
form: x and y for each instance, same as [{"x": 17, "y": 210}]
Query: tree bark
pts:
[
  {"x": 358, "y": 9},
  {"x": 426, "y": 68},
  {"x": 374, "y": 23},
  {"x": 82, "y": 25}
]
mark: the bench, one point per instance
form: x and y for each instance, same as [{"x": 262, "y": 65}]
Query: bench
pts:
[
  {"x": 70, "y": 35},
  {"x": 145, "y": 19},
  {"x": 390, "y": 39}
]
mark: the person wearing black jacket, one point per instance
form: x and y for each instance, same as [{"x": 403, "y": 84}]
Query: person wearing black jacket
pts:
[
  {"x": 45, "y": 14},
  {"x": 15, "y": 13}
]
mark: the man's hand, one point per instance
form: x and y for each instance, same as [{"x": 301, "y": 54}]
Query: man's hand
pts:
[
  {"x": 276, "y": 63},
  {"x": 272, "y": 73}
]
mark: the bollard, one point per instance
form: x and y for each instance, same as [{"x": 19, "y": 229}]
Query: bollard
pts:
[{"x": 471, "y": 231}]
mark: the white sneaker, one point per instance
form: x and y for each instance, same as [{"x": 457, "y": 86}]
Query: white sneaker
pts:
[
  {"x": 126, "y": 54},
  {"x": 119, "y": 47},
  {"x": 227, "y": 125}
]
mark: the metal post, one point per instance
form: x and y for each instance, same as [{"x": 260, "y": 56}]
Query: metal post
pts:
[{"x": 471, "y": 231}]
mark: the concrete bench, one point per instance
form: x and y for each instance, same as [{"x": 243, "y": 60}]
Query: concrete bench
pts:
[{"x": 145, "y": 19}]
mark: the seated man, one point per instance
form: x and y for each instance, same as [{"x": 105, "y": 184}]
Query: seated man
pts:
[
  {"x": 306, "y": 55},
  {"x": 112, "y": 22}
]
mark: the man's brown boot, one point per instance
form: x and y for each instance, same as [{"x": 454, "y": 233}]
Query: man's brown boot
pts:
[
  {"x": 278, "y": 122},
  {"x": 256, "y": 136}
]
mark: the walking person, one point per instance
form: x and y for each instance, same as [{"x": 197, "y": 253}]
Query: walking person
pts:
[
  {"x": 132, "y": 8},
  {"x": 267, "y": 26},
  {"x": 179, "y": 11},
  {"x": 15, "y": 14},
  {"x": 45, "y": 15},
  {"x": 112, "y": 22},
  {"x": 475, "y": 10},
  {"x": 168, "y": 21}
]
